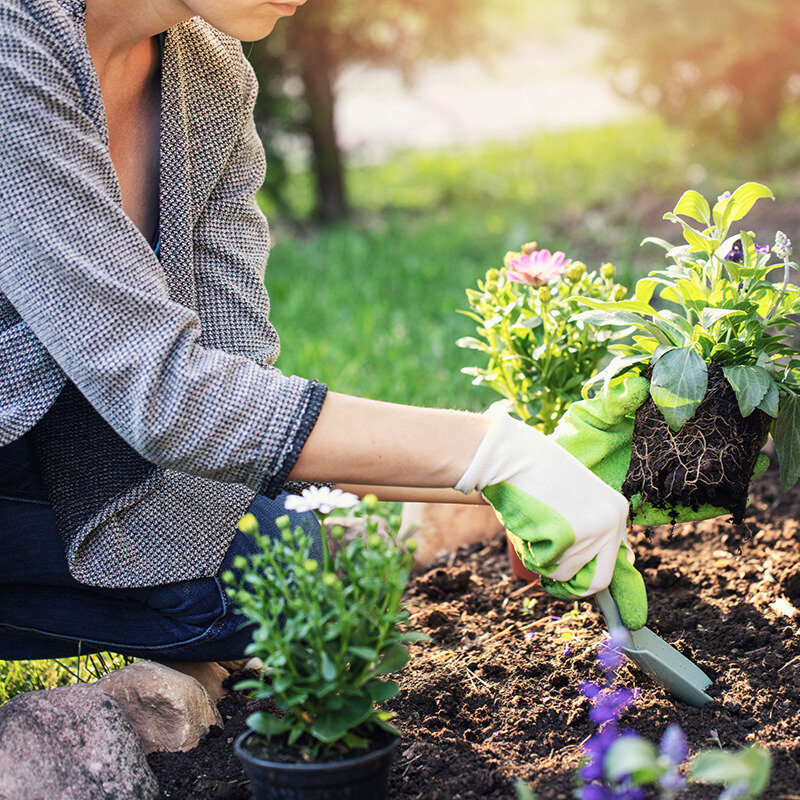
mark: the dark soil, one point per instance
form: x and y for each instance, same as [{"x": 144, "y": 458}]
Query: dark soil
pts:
[
  {"x": 709, "y": 460},
  {"x": 495, "y": 696}
]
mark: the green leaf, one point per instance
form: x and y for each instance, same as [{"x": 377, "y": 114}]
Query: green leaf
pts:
[
  {"x": 395, "y": 657},
  {"x": 620, "y": 305},
  {"x": 644, "y": 290},
  {"x": 786, "y": 434},
  {"x": 750, "y": 766},
  {"x": 678, "y": 385},
  {"x": 632, "y": 756},
  {"x": 697, "y": 241},
  {"x": 742, "y": 200},
  {"x": 655, "y": 240},
  {"x": 711, "y": 316},
  {"x": 266, "y": 724},
  {"x": 751, "y": 383},
  {"x": 414, "y": 636},
  {"x": 771, "y": 402},
  {"x": 523, "y": 791},
  {"x": 381, "y": 690},
  {"x": 328, "y": 667},
  {"x": 693, "y": 204},
  {"x": 367, "y": 653},
  {"x": 332, "y": 725}
]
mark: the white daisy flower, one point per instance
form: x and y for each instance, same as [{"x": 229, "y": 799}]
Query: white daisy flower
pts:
[{"x": 320, "y": 498}]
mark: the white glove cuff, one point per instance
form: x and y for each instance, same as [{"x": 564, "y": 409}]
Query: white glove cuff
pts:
[{"x": 488, "y": 464}]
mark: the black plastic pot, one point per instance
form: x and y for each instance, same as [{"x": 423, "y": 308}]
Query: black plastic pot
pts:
[{"x": 364, "y": 777}]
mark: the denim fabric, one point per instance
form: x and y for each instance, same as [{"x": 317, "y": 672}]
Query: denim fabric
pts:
[{"x": 45, "y": 613}]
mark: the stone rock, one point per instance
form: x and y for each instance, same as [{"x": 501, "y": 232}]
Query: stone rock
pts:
[
  {"x": 168, "y": 710},
  {"x": 71, "y": 743},
  {"x": 441, "y": 528},
  {"x": 210, "y": 674}
]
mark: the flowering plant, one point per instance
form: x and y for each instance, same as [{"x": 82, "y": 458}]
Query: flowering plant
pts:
[
  {"x": 619, "y": 764},
  {"x": 328, "y": 633},
  {"x": 723, "y": 311},
  {"x": 538, "y": 358}
]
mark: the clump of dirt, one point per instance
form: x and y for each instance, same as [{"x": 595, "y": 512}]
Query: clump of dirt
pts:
[
  {"x": 709, "y": 460},
  {"x": 495, "y": 696}
]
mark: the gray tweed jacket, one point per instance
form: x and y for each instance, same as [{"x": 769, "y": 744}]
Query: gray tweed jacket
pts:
[{"x": 147, "y": 385}]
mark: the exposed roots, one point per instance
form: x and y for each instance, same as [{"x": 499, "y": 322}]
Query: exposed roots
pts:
[{"x": 709, "y": 460}]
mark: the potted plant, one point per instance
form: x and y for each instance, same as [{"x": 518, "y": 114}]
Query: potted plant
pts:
[
  {"x": 538, "y": 357},
  {"x": 328, "y": 634},
  {"x": 723, "y": 373}
]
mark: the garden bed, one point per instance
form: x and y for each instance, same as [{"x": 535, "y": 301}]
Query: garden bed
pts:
[{"x": 495, "y": 696}]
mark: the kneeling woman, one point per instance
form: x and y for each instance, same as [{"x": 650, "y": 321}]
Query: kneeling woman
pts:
[{"x": 140, "y": 411}]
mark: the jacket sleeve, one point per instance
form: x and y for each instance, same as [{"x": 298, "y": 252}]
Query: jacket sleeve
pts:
[{"x": 86, "y": 282}]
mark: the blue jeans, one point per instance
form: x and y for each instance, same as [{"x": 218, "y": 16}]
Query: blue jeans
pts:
[{"x": 45, "y": 613}]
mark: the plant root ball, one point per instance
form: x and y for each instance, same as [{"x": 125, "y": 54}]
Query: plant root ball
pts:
[{"x": 709, "y": 460}]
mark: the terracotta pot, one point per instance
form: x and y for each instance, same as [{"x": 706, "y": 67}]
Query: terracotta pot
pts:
[{"x": 517, "y": 569}]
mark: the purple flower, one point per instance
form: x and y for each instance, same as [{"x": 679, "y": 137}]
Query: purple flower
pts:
[
  {"x": 595, "y": 793},
  {"x": 737, "y": 254},
  {"x": 610, "y": 705},
  {"x": 674, "y": 746},
  {"x": 734, "y": 792},
  {"x": 567, "y": 651},
  {"x": 610, "y": 659},
  {"x": 590, "y": 689}
]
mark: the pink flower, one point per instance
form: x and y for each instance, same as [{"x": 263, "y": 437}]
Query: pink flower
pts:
[{"x": 536, "y": 268}]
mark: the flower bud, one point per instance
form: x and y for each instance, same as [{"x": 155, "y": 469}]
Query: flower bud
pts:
[
  {"x": 248, "y": 524},
  {"x": 228, "y": 577},
  {"x": 783, "y": 245},
  {"x": 329, "y": 579},
  {"x": 370, "y": 504},
  {"x": 544, "y": 294},
  {"x": 607, "y": 270},
  {"x": 337, "y": 531},
  {"x": 411, "y": 546},
  {"x": 310, "y": 565},
  {"x": 619, "y": 292},
  {"x": 576, "y": 271},
  {"x": 530, "y": 247},
  {"x": 240, "y": 563}
]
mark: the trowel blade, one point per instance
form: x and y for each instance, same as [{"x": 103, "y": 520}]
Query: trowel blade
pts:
[{"x": 658, "y": 659}]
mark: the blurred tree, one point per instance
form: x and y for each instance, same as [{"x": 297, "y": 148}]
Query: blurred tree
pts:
[
  {"x": 723, "y": 69},
  {"x": 298, "y": 65}
]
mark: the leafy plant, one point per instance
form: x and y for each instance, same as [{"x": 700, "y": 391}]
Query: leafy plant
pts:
[
  {"x": 725, "y": 310},
  {"x": 328, "y": 633},
  {"x": 539, "y": 358}
]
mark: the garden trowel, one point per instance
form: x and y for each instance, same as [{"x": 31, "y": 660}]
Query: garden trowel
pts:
[{"x": 661, "y": 661}]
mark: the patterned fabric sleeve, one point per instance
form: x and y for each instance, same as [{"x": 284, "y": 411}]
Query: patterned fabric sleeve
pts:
[{"x": 88, "y": 285}]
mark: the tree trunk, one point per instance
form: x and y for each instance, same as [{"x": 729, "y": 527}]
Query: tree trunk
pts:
[{"x": 317, "y": 71}]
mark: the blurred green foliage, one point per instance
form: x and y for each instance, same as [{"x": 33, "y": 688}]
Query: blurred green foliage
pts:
[
  {"x": 727, "y": 71},
  {"x": 29, "y": 676}
]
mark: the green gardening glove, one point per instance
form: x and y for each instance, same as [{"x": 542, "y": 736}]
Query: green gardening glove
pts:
[
  {"x": 598, "y": 433},
  {"x": 566, "y": 523}
]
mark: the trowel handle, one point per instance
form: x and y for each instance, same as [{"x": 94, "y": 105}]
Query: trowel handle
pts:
[{"x": 609, "y": 610}]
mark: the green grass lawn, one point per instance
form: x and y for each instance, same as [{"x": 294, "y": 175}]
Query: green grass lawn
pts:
[{"x": 371, "y": 307}]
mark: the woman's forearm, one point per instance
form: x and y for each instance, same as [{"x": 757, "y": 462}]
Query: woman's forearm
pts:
[
  {"x": 411, "y": 494},
  {"x": 364, "y": 442}
]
